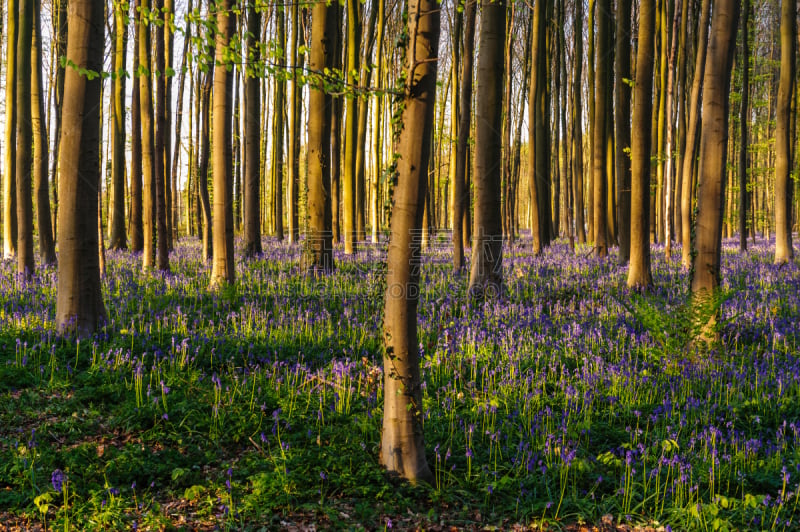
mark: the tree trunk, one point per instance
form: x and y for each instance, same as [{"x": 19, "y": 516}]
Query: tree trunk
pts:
[
  {"x": 668, "y": 166},
  {"x": 688, "y": 163},
  {"x": 713, "y": 150},
  {"x": 402, "y": 439},
  {"x": 118, "y": 236},
  {"x": 170, "y": 185},
  {"x": 222, "y": 270},
  {"x": 744, "y": 124},
  {"x": 319, "y": 253},
  {"x": 10, "y": 184},
  {"x": 783, "y": 136},
  {"x": 148, "y": 148},
  {"x": 252, "y": 136},
  {"x": 377, "y": 118},
  {"x": 293, "y": 142},
  {"x": 577, "y": 129},
  {"x": 639, "y": 275},
  {"x": 79, "y": 303},
  {"x": 486, "y": 276},
  {"x": 351, "y": 129},
  {"x": 60, "y": 43},
  {"x": 136, "y": 215},
  {"x": 159, "y": 156},
  {"x": 460, "y": 190},
  {"x": 622, "y": 141},
  {"x": 24, "y": 141},
  {"x": 538, "y": 126},
  {"x": 277, "y": 132},
  {"x": 202, "y": 167},
  {"x": 47, "y": 247},
  {"x": 601, "y": 108}
]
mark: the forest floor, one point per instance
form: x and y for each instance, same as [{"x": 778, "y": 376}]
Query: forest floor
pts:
[{"x": 571, "y": 404}]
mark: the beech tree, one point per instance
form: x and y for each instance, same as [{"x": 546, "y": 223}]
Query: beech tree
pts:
[
  {"x": 223, "y": 271},
  {"x": 713, "y": 152},
  {"x": 24, "y": 145},
  {"x": 252, "y": 136},
  {"x": 118, "y": 236},
  {"x": 148, "y": 143},
  {"x": 639, "y": 275},
  {"x": 319, "y": 252},
  {"x": 10, "y": 183},
  {"x": 601, "y": 112},
  {"x": 79, "y": 303},
  {"x": 783, "y": 135},
  {"x": 486, "y": 276},
  {"x": 402, "y": 439}
]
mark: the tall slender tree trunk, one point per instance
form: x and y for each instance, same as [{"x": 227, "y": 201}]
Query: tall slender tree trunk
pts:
[
  {"x": 670, "y": 121},
  {"x": 176, "y": 148},
  {"x": 661, "y": 125},
  {"x": 136, "y": 215},
  {"x": 783, "y": 135},
  {"x": 293, "y": 142},
  {"x": 713, "y": 150},
  {"x": 118, "y": 236},
  {"x": 486, "y": 275},
  {"x": 351, "y": 129},
  {"x": 319, "y": 253},
  {"x": 10, "y": 184},
  {"x": 460, "y": 189},
  {"x": 577, "y": 128},
  {"x": 688, "y": 163},
  {"x": 223, "y": 271},
  {"x": 538, "y": 126},
  {"x": 277, "y": 131},
  {"x": 60, "y": 34},
  {"x": 744, "y": 124},
  {"x": 601, "y": 109},
  {"x": 160, "y": 180},
  {"x": 622, "y": 141},
  {"x": 252, "y": 136},
  {"x": 170, "y": 179},
  {"x": 203, "y": 163},
  {"x": 639, "y": 275},
  {"x": 149, "y": 170},
  {"x": 47, "y": 247},
  {"x": 24, "y": 138},
  {"x": 79, "y": 303},
  {"x": 377, "y": 118},
  {"x": 402, "y": 439}
]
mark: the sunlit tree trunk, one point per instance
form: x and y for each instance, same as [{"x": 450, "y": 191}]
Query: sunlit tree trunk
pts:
[
  {"x": 293, "y": 142},
  {"x": 538, "y": 126},
  {"x": 10, "y": 183},
  {"x": 783, "y": 135},
  {"x": 136, "y": 215},
  {"x": 47, "y": 248},
  {"x": 118, "y": 236},
  {"x": 170, "y": 194},
  {"x": 577, "y": 128},
  {"x": 79, "y": 303},
  {"x": 24, "y": 141},
  {"x": 670, "y": 121},
  {"x": 639, "y": 275},
  {"x": 402, "y": 439},
  {"x": 252, "y": 136},
  {"x": 601, "y": 108},
  {"x": 222, "y": 270},
  {"x": 148, "y": 147},
  {"x": 159, "y": 154},
  {"x": 377, "y": 118},
  {"x": 351, "y": 129},
  {"x": 460, "y": 190},
  {"x": 203, "y": 163},
  {"x": 687, "y": 165},
  {"x": 713, "y": 150},
  {"x": 486, "y": 275},
  {"x": 319, "y": 253},
  {"x": 176, "y": 148}
]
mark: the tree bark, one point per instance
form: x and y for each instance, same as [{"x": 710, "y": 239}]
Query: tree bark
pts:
[
  {"x": 668, "y": 163},
  {"x": 79, "y": 303},
  {"x": 252, "y": 136},
  {"x": 622, "y": 141},
  {"x": 460, "y": 190},
  {"x": 402, "y": 439},
  {"x": 222, "y": 270},
  {"x": 744, "y": 124},
  {"x": 293, "y": 142},
  {"x": 319, "y": 253},
  {"x": 160, "y": 180},
  {"x": 24, "y": 140},
  {"x": 783, "y": 135},
  {"x": 601, "y": 108},
  {"x": 639, "y": 275},
  {"x": 10, "y": 184},
  {"x": 538, "y": 126},
  {"x": 118, "y": 236},
  {"x": 705, "y": 279},
  {"x": 149, "y": 178},
  {"x": 351, "y": 129},
  {"x": 687, "y": 168},
  {"x": 577, "y": 129},
  {"x": 486, "y": 275},
  {"x": 44, "y": 223},
  {"x": 136, "y": 215}
]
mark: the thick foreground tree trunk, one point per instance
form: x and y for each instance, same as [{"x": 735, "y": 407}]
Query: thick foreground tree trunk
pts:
[
  {"x": 402, "y": 438},
  {"x": 79, "y": 303},
  {"x": 24, "y": 147},
  {"x": 783, "y": 136}
]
